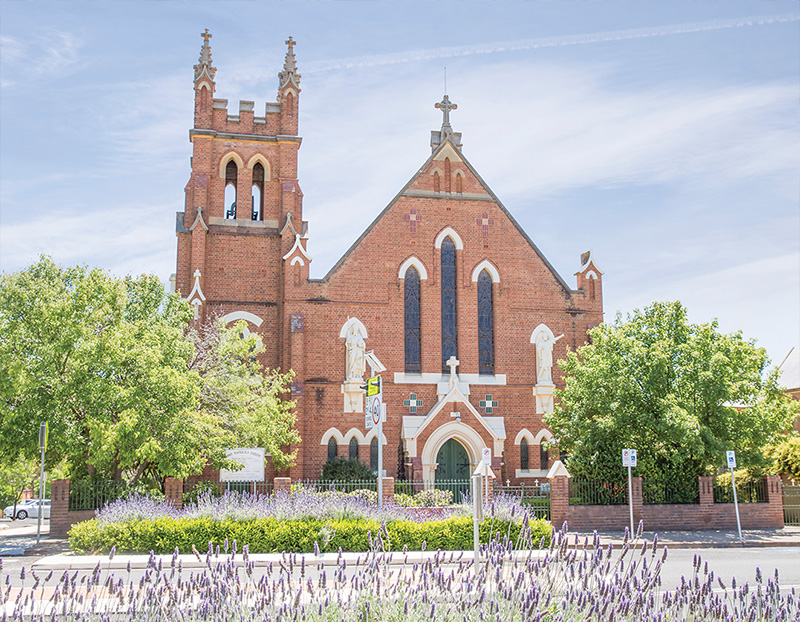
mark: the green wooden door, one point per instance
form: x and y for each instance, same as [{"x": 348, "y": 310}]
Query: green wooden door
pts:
[{"x": 453, "y": 470}]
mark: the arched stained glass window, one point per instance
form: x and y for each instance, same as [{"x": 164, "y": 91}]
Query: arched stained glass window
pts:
[
  {"x": 449, "y": 303},
  {"x": 524, "y": 461},
  {"x": 544, "y": 459},
  {"x": 333, "y": 448},
  {"x": 485, "y": 324},
  {"x": 412, "y": 322},
  {"x": 353, "y": 448},
  {"x": 373, "y": 454}
]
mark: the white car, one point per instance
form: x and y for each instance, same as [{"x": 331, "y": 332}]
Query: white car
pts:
[{"x": 28, "y": 509}]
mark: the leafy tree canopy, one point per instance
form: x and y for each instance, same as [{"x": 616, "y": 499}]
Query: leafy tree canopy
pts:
[
  {"x": 127, "y": 387},
  {"x": 681, "y": 394}
]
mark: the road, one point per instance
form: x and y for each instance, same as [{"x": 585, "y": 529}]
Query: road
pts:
[{"x": 18, "y": 535}]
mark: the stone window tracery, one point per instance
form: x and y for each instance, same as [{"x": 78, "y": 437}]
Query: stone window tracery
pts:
[
  {"x": 413, "y": 348},
  {"x": 449, "y": 303},
  {"x": 485, "y": 323}
]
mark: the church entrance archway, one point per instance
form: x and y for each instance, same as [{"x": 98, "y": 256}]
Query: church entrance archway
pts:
[{"x": 453, "y": 469}]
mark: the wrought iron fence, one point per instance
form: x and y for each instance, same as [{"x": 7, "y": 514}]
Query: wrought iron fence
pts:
[
  {"x": 535, "y": 497},
  {"x": 746, "y": 492},
  {"x": 791, "y": 504},
  {"x": 93, "y": 494},
  {"x": 655, "y": 492},
  {"x": 343, "y": 486},
  {"x": 586, "y": 492}
]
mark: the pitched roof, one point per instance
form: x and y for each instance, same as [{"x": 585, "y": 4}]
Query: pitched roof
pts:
[{"x": 790, "y": 370}]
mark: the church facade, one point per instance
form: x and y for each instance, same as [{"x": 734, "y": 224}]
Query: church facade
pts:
[{"x": 463, "y": 311}]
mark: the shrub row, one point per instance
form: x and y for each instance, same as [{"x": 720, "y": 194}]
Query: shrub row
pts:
[{"x": 269, "y": 535}]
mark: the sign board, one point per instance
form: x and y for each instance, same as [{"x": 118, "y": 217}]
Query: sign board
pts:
[
  {"x": 374, "y": 402},
  {"x": 253, "y": 460},
  {"x": 629, "y": 458},
  {"x": 43, "y": 437},
  {"x": 486, "y": 456},
  {"x": 731, "y": 456}
]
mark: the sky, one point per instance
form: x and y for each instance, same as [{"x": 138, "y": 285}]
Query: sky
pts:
[{"x": 662, "y": 136}]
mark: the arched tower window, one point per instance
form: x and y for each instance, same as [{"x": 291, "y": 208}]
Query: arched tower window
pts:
[
  {"x": 353, "y": 448},
  {"x": 333, "y": 448},
  {"x": 449, "y": 303},
  {"x": 373, "y": 454},
  {"x": 231, "y": 178},
  {"x": 258, "y": 192},
  {"x": 485, "y": 323},
  {"x": 412, "y": 322},
  {"x": 437, "y": 184},
  {"x": 524, "y": 461}
]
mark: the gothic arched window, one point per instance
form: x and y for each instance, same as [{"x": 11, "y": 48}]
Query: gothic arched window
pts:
[
  {"x": 436, "y": 182},
  {"x": 485, "y": 324},
  {"x": 257, "y": 195},
  {"x": 231, "y": 179},
  {"x": 447, "y": 175},
  {"x": 333, "y": 448},
  {"x": 353, "y": 448},
  {"x": 544, "y": 459},
  {"x": 449, "y": 303},
  {"x": 412, "y": 322},
  {"x": 373, "y": 455},
  {"x": 524, "y": 461}
]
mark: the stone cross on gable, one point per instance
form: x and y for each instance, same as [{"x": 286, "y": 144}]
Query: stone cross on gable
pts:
[
  {"x": 452, "y": 363},
  {"x": 446, "y": 106}
]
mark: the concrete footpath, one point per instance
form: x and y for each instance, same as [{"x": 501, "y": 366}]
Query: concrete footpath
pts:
[{"x": 55, "y": 553}]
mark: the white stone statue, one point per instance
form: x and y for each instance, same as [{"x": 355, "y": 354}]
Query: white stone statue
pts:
[
  {"x": 544, "y": 354},
  {"x": 356, "y": 347}
]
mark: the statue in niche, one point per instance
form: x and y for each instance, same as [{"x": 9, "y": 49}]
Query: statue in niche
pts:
[
  {"x": 356, "y": 347},
  {"x": 544, "y": 356}
]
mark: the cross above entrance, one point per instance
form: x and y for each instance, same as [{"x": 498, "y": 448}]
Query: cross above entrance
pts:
[{"x": 452, "y": 363}]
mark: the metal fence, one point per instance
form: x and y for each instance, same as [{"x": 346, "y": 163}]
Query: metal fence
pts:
[
  {"x": 586, "y": 492},
  {"x": 534, "y": 497},
  {"x": 654, "y": 492},
  {"x": 791, "y": 504},
  {"x": 458, "y": 487},
  {"x": 93, "y": 494},
  {"x": 746, "y": 492}
]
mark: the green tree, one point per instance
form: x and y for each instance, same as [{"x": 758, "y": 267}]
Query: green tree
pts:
[
  {"x": 681, "y": 394},
  {"x": 127, "y": 388},
  {"x": 785, "y": 455}
]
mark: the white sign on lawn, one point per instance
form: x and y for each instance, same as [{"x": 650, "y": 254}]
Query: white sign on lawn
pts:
[
  {"x": 253, "y": 460},
  {"x": 629, "y": 457}
]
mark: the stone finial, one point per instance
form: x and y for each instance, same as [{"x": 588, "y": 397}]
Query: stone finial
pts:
[
  {"x": 446, "y": 133},
  {"x": 289, "y": 73},
  {"x": 446, "y": 106},
  {"x": 204, "y": 66}
]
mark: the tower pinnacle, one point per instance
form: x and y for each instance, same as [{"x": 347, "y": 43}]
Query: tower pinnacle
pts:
[
  {"x": 437, "y": 138},
  {"x": 289, "y": 73},
  {"x": 204, "y": 66}
]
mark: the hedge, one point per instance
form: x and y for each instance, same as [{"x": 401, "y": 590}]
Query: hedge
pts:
[{"x": 270, "y": 535}]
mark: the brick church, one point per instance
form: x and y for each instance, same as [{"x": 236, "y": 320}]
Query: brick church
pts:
[{"x": 462, "y": 309}]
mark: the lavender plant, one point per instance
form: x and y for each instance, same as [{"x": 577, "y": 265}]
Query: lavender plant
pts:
[{"x": 569, "y": 580}]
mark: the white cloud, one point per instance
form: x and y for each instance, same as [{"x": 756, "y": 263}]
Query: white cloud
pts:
[{"x": 45, "y": 54}]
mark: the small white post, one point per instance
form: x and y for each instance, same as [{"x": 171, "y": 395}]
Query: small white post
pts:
[
  {"x": 630, "y": 498},
  {"x": 380, "y": 456},
  {"x": 736, "y": 505}
]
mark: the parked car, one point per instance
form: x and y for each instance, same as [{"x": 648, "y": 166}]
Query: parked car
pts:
[{"x": 28, "y": 509}]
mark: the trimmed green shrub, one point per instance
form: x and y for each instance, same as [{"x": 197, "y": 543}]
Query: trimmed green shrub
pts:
[
  {"x": 341, "y": 470},
  {"x": 432, "y": 498},
  {"x": 269, "y": 535}
]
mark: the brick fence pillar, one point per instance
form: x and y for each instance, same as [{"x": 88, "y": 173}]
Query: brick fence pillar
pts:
[
  {"x": 559, "y": 500},
  {"x": 774, "y": 501},
  {"x": 636, "y": 490},
  {"x": 173, "y": 490},
  {"x": 282, "y": 484},
  {"x": 59, "y": 507},
  {"x": 388, "y": 490}
]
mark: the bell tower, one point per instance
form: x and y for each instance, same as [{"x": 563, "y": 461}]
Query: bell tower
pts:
[{"x": 242, "y": 192}]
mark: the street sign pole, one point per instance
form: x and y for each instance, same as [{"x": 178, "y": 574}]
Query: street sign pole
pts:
[
  {"x": 629, "y": 460},
  {"x": 630, "y": 497},
  {"x": 380, "y": 457},
  {"x": 731, "y": 456},
  {"x": 477, "y": 516},
  {"x": 42, "y": 448}
]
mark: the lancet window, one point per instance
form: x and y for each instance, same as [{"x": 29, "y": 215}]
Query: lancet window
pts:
[
  {"x": 373, "y": 454},
  {"x": 524, "y": 461},
  {"x": 333, "y": 448},
  {"x": 449, "y": 303},
  {"x": 485, "y": 323},
  {"x": 412, "y": 322},
  {"x": 544, "y": 459},
  {"x": 353, "y": 449},
  {"x": 257, "y": 195},
  {"x": 231, "y": 179}
]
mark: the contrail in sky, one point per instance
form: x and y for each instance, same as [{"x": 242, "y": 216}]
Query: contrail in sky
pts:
[{"x": 544, "y": 42}]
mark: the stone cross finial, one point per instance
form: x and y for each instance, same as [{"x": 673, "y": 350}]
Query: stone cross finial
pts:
[
  {"x": 204, "y": 62},
  {"x": 452, "y": 363},
  {"x": 446, "y": 106},
  {"x": 206, "y": 36},
  {"x": 291, "y": 42}
]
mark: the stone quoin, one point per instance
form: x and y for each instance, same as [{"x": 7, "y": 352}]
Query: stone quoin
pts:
[{"x": 458, "y": 305}]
